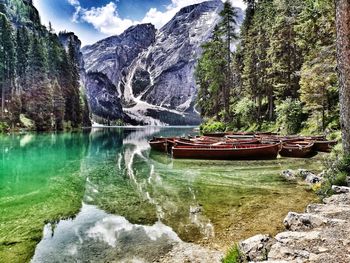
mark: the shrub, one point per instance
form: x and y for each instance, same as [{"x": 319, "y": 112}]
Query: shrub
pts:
[
  {"x": 233, "y": 255},
  {"x": 245, "y": 112},
  {"x": 290, "y": 116},
  {"x": 337, "y": 173},
  {"x": 4, "y": 127},
  {"x": 213, "y": 126}
]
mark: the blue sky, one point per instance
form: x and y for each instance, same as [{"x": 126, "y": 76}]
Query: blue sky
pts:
[{"x": 93, "y": 20}]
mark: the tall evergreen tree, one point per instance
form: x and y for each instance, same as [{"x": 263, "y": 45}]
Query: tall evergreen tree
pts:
[
  {"x": 58, "y": 105},
  {"x": 7, "y": 61},
  {"x": 39, "y": 96},
  {"x": 211, "y": 76},
  {"x": 22, "y": 50},
  {"x": 227, "y": 31}
]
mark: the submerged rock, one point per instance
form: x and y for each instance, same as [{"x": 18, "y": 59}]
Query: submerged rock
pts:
[
  {"x": 256, "y": 247},
  {"x": 289, "y": 174},
  {"x": 340, "y": 189},
  {"x": 313, "y": 179}
]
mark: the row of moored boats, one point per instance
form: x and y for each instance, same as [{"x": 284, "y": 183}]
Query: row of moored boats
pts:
[{"x": 242, "y": 146}]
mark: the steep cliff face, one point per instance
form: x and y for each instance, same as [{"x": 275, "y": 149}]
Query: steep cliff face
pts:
[
  {"x": 103, "y": 99},
  {"x": 113, "y": 55},
  {"x": 153, "y": 71}
]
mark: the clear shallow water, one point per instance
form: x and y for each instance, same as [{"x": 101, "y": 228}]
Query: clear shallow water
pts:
[{"x": 130, "y": 203}]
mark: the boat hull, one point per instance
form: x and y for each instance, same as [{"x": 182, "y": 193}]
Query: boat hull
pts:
[
  {"x": 324, "y": 146},
  {"x": 239, "y": 152},
  {"x": 297, "y": 150}
]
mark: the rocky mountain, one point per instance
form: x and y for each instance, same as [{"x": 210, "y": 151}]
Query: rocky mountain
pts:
[{"x": 153, "y": 71}]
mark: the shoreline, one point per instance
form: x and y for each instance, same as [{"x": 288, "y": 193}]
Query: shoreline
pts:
[{"x": 321, "y": 234}]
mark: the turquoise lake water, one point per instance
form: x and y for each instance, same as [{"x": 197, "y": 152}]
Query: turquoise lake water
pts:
[{"x": 102, "y": 195}]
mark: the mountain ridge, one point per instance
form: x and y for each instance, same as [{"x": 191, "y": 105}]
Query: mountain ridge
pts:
[{"x": 158, "y": 80}]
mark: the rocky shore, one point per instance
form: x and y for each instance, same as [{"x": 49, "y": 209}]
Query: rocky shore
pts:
[{"x": 321, "y": 234}]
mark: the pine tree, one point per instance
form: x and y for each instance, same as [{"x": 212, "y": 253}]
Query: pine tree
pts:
[
  {"x": 22, "y": 50},
  {"x": 226, "y": 30},
  {"x": 58, "y": 106},
  {"x": 211, "y": 76},
  {"x": 8, "y": 60},
  {"x": 39, "y": 96}
]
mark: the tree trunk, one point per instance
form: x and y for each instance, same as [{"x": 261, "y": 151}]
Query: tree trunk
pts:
[
  {"x": 343, "y": 57},
  {"x": 2, "y": 100}
]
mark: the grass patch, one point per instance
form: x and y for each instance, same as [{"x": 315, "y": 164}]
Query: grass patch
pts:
[{"x": 233, "y": 255}]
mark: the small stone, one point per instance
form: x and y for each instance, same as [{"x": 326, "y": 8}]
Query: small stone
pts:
[
  {"x": 304, "y": 173},
  {"x": 340, "y": 189},
  {"x": 313, "y": 179},
  {"x": 289, "y": 174},
  {"x": 323, "y": 249}
]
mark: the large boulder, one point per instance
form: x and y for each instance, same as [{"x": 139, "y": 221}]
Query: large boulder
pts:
[
  {"x": 296, "y": 222},
  {"x": 257, "y": 247}
]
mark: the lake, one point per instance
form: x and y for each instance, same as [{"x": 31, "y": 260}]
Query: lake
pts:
[{"x": 102, "y": 195}]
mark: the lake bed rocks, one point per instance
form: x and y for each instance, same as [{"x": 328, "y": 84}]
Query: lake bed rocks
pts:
[
  {"x": 321, "y": 234},
  {"x": 309, "y": 177}
]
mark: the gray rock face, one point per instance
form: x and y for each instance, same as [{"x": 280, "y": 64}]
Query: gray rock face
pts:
[
  {"x": 256, "y": 248},
  {"x": 113, "y": 55},
  {"x": 103, "y": 98},
  {"x": 154, "y": 70}
]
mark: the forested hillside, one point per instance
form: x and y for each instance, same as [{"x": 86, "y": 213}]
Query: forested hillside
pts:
[
  {"x": 39, "y": 77},
  {"x": 282, "y": 74}
]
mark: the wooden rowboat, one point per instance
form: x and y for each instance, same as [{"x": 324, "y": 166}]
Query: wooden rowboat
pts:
[
  {"x": 237, "y": 152},
  {"x": 297, "y": 149},
  {"x": 324, "y": 146},
  {"x": 184, "y": 142},
  {"x": 159, "y": 144}
]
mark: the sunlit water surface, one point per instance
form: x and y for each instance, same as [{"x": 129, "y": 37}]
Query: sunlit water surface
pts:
[{"x": 130, "y": 203}]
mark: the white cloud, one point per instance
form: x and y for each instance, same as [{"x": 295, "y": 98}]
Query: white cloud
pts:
[{"x": 107, "y": 20}]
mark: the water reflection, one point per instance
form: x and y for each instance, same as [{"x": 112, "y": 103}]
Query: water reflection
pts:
[
  {"x": 137, "y": 203},
  {"x": 95, "y": 236}
]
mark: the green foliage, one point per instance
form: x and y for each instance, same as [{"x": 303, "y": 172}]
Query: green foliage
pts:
[
  {"x": 286, "y": 50},
  {"x": 233, "y": 256},
  {"x": 337, "y": 173},
  {"x": 290, "y": 116},
  {"x": 215, "y": 73},
  {"x": 4, "y": 127},
  {"x": 36, "y": 72},
  {"x": 245, "y": 113},
  {"x": 212, "y": 126}
]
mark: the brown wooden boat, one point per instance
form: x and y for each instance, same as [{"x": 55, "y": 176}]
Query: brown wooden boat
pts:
[
  {"x": 215, "y": 134},
  {"x": 185, "y": 142},
  {"x": 237, "y": 152},
  {"x": 297, "y": 149},
  {"x": 159, "y": 144},
  {"x": 324, "y": 146}
]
